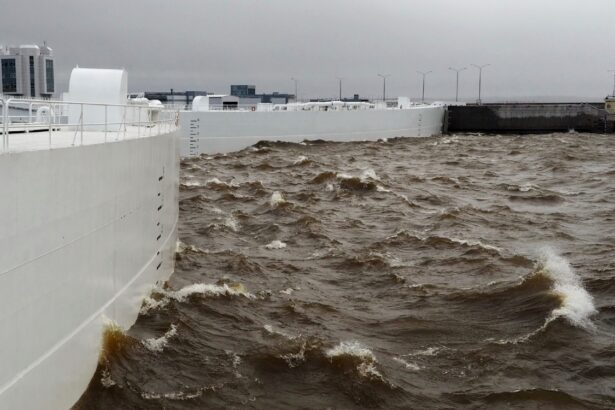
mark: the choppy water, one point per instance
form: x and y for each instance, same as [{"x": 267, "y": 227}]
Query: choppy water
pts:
[{"x": 450, "y": 272}]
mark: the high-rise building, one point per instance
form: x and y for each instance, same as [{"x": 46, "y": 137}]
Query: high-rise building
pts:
[{"x": 27, "y": 71}]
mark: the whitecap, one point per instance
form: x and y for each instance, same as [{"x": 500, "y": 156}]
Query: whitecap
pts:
[
  {"x": 407, "y": 365},
  {"x": 577, "y": 305},
  {"x": 277, "y": 332},
  {"x": 295, "y": 359},
  {"x": 276, "y": 199},
  {"x": 275, "y": 245},
  {"x": 232, "y": 223},
  {"x": 158, "y": 344},
  {"x": 301, "y": 160},
  {"x": 191, "y": 183},
  {"x": 209, "y": 290},
  {"x": 369, "y": 173},
  {"x": 351, "y": 348},
  {"x": 469, "y": 242},
  {"x": 215, "y": 181}
]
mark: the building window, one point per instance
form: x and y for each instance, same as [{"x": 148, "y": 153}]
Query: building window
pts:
[
  {"x": 9, "y": 76},
  {"x": 32, "y": 91},
  {"x": 49, "y": 75}
]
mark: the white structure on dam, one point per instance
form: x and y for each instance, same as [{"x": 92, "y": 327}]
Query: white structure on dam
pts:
[{"x": 88, "y": 225}]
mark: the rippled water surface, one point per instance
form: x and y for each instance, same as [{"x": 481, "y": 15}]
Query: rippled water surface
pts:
[{"x": 448, "y": 272}]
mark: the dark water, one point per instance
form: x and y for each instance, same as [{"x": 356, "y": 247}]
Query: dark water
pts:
[{"x": 450, "y": 272}]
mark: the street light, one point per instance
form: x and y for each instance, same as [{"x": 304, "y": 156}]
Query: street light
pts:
[
  {"x": 480, "y": 78},
  {"x": 457, "y": 71},
  {"x": 613, "y": 71},
  {"x": 384, "y": 85},
  {"x": 296, "y": 94},
  {"x": 340, "y": 80},
  {"x": 424, "y": 74}
]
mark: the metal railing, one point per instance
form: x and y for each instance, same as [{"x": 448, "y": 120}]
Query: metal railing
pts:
[{"x": 70, "y": 123}]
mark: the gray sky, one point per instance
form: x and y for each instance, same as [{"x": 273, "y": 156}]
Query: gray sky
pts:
[{"x": 535, "y": 47}]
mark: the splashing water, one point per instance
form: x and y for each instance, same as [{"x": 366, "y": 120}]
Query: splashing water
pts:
[{"x": 577, "y": 304}]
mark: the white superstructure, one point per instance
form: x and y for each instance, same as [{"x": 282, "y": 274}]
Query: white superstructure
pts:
[
  {"x": 88, "y": 225},
  {"x": 214, "y": 129}
]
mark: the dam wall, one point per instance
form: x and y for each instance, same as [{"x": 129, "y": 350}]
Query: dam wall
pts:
[
  {"x": 524, "y": 118},
  {"x": 211, "y": 132}
]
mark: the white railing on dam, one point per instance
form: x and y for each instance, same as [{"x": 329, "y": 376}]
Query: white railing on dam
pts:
[{"x": 34, "y": 124}]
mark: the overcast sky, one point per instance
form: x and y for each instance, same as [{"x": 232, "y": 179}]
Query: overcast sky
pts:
[{"x": 535, "y": 47}]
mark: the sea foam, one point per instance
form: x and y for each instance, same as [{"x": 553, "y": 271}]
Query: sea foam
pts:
[{"x": 158, "y": 344}]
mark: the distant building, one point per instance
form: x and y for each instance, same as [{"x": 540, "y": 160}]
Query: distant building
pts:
[
  {"x": 249, "y": 99},
  {"x": 355, "y": 98},
  {"x": 243, "y": 90},
  {"x": 27, "y": 71}
]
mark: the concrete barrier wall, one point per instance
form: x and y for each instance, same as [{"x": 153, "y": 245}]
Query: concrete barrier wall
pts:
[
  {"x": 85, "y": 233},
  {"x": 227, "y": 131},
  {"x": 525, "y": 118}
]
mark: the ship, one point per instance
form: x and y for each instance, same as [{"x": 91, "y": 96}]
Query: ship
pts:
[
  {"x": 88, "y": 226},
  {"x": 216, "y": 125}
]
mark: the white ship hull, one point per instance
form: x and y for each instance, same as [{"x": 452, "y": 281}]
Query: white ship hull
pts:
[
  {"x": 210, "y": 132},
  {"x": 85, "y": 233}
]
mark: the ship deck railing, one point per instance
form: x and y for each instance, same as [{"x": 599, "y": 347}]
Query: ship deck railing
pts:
[{"x": 37, "y": 124}]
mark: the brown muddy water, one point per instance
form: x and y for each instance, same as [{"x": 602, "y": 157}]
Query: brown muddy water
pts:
[{"x": 439, "y": 273}]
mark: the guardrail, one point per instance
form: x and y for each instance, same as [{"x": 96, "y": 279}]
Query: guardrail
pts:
[{"x": 70, "y": 123}]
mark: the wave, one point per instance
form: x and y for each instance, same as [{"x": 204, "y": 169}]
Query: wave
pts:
[
  {"x": 576, "y": 304},
  {"x": 354, "y": 353},
  {"x": 402, "y": 236},
  {"x": 538, "y": 199},
  {"x": 158, "y": 344},
  {"x": 215, "y": 183},
  {"x": 324, "y": 177},
  {"x": 191, "y": 184},
  {"x": 519, "y": 188},
  {"x": 406, "y": 364},
  {"x": 276, "y": 199},
  {"x": 160, "y": 298},
  {"x": 181, "y": 247},
  {"x": 302, "y": 160},
  {"x": 232, "y": 223},
  {"x": 180, "y": 395},
  {"x": 275, "y": 245}
]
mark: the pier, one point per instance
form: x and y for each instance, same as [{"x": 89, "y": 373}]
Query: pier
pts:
[{"x": 525, "y": 118}]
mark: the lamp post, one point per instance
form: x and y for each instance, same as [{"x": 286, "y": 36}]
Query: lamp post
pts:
[
  {"x": 424, "y": 74},
  {"x": 480, "y": 78},
  {"x": 384, "y": 85},
  {"x": 296, "y": 94},
  {"x": 613, "y": 71},
  {"x": 340, "y": 81},
  {"x": 457, "y": 71}
]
